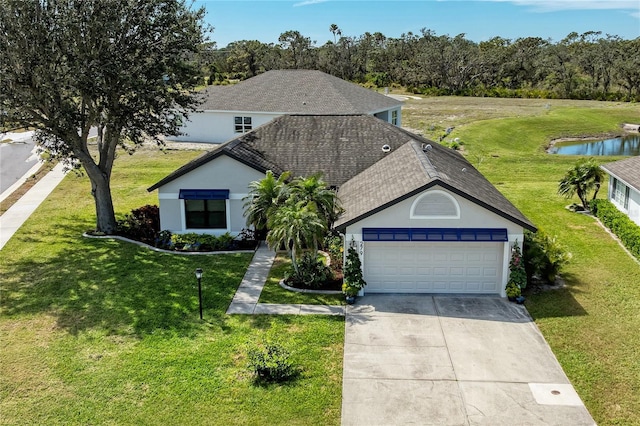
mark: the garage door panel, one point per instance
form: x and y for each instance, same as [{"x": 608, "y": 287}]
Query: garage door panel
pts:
[
  {"x": 456, "y": 271},
  {"x": 421, "y": 267},
  {"x": 474, "y": 272},
  {"x": 490, "y": 272}
]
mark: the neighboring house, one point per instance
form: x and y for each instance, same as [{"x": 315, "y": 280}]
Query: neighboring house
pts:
[
  {"x": 624, "y": 186},
  {"x": 231, "y": 110},
  {"x": 422, "y": 217}
]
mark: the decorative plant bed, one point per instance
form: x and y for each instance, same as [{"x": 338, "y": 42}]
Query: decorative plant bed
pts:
[
  {"x": 311, "y": 290},
  {"x": 236, "y": 249}
]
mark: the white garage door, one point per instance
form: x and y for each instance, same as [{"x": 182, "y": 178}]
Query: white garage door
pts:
[{"x": 410, "y": 267}]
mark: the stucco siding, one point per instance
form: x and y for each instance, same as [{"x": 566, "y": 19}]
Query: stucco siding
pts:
[
  {"x": 471, "y": 216},
  {"x": 633, "y": 209},
  {"x": 634, "y": 206},
  {"x": 170, "y": 216},
  {"x": 220, "y": 173},
  {"x": 218, "y": 126}
]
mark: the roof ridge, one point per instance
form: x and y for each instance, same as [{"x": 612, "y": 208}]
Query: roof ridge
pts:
[{"x": 428, "y": 167}]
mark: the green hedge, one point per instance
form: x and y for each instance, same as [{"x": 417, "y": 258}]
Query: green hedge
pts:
[{"x": 619, "y": 224}]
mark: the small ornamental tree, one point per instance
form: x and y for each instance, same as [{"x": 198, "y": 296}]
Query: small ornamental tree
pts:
[
  {"x": 353, "y": 280},
  {"x": 517, "y": 273}
]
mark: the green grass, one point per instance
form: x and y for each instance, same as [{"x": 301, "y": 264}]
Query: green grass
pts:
[
  {"x": 273, "y": 293},
  {"x": 103, "y": 331},
  {"x": 97, "y": 331}
]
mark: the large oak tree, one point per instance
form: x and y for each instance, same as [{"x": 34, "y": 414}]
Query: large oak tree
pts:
[{"x": 124, "y": 67}]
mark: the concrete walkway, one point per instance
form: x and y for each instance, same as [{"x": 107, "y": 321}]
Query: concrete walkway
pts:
[
  {"x": 446, "y": 360},
  {"x": 245, "y": 301},
  {"x": 18, "y": 213}
]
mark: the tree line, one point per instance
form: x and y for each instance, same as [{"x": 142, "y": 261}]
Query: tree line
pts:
[{"x": 580, "y": 66}]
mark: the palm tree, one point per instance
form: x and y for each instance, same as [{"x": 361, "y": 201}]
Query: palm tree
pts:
[
  {"x": 314, "y": 192},
  {"x": 333, "y": 28},
  {"x": 580, "y": 179},
  {"x": 294, "y": 225},
  {"x": 264, "y": 196}
]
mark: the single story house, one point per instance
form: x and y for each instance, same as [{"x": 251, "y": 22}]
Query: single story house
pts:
[
  {"x": 624, "y": 186},
  {"x": 423, "y": 218},
  {"x": 228, "y": 111}
]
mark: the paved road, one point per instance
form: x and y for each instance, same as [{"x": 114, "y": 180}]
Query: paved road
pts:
[{"x": 16, "y": 158}]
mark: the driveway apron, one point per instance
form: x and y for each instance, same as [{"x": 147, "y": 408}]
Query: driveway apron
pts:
[{"x": 419, "y": 359}]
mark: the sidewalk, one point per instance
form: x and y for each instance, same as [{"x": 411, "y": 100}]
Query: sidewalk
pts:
[
  {"x": 13, "y": 218},
  {"x": 246, "y": 298}
]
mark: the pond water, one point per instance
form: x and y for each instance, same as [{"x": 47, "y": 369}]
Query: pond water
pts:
[{"x": 627, "y": 145}]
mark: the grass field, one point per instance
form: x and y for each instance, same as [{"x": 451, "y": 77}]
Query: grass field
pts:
[
  {"x": 106, "y": 332},
  {"x": 100, "y": 331}
]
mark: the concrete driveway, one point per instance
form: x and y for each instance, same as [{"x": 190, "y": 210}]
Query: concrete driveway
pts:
[{"x": 418, "y": 359}]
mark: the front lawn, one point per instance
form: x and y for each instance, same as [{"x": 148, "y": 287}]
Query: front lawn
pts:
[{"x": 103, "y": 331}]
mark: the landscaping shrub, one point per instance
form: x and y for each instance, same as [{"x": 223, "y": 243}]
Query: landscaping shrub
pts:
[
  {"x": 333, "y": 246},
  {"x": 517, "y": 274},
  {"x": 312, "y": 272},
  {"x": 141, "y": 224},
  {"x": 544, "y": 256},
  {"x": 619, "y": 223},
  {"x": 203, "y": 242},
  {"x": 353, "y": 279},
  {"x": 270, "y": 361}
]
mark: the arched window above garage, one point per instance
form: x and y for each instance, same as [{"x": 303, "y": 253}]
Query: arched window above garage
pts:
[{"x": 435, "y": 204}]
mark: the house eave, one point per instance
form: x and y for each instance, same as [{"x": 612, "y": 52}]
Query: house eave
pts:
[
  {"x": 529, "y": 226},
  {"x": 626, "y": 183}
]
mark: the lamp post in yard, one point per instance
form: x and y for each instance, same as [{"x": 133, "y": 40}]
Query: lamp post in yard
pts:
[{"x": 199, "y": 277}]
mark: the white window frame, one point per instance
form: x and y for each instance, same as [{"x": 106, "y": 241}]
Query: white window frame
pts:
[
  {"x": 620, "y": 193},
  {"x": 394, "y": 117},
  {"x": 244, "y": 127}
]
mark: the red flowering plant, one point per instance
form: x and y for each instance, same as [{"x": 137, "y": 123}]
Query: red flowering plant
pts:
[{"x": 517, "y": 273}]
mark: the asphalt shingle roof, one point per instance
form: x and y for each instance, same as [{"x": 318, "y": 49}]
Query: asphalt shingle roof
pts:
[
  {"x": 296, "y": 92},
  {"x": 348, "y": 150},
  {"x": 416, "y": 166},
  {"x": 627, "y": 170}
]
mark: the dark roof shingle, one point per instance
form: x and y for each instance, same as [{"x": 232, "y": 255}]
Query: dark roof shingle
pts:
[
  {"x": 416, "y": 166},
  {"x": 296, "y": 92},
  {"x": 348, "y": 150},
  {"x": 627, "y": 170}
]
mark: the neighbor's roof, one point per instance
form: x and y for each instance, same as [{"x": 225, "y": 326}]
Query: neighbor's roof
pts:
[
  {"x": 627, "y": 170},
  {"x": 416, "y": 166},
  {"x": 296, "y": 92},
  {"x": 347, "y": 149}
]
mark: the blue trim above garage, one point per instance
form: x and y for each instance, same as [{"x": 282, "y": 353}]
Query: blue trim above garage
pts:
[
  {"x": 204, "y": 194},
  {"x": 435, "y": 234}
]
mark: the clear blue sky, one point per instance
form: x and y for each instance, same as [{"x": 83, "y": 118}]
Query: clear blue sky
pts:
[{"x": 479, "y": 19}]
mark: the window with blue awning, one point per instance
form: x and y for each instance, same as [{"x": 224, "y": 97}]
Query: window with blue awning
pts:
[{"x": 204, "y": 194}]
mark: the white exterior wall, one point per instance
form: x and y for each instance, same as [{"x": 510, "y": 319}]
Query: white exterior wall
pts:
[
  {"x": 471, "y": 216},
  {"x": 220, "y": 173},
  {"x": 219, "y": 126},
  {"x": 633, "y": 211}
]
